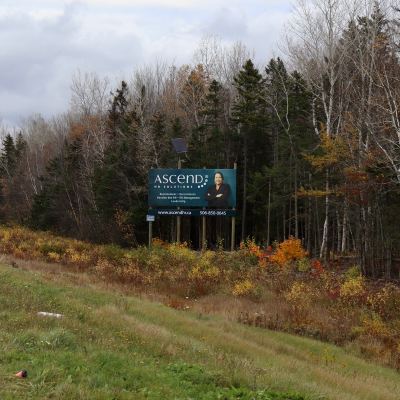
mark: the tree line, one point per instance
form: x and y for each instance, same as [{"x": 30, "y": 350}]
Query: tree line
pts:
[{"x": 315, "y": 135}]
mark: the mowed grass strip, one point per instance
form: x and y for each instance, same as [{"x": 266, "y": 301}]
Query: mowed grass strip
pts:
[{"x": 109, "y": 346}]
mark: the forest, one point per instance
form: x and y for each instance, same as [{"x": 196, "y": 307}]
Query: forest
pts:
[{"x": 314, "y": 132}]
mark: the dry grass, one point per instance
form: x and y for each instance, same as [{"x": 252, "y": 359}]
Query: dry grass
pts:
[
  {"x": 245, "y": 355},
  {"x": 278, "y": 289}
]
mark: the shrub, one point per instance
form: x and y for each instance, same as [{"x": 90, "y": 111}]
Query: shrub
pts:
[
  {"x": 299, "y": 298},
  {"x": 245, "y": 289},
  {"x": 112, "y": 253},
  {"x": 48, "y": 248},
  {"x": 353, "y": 291},
  {"x": 288, "y": 253}
]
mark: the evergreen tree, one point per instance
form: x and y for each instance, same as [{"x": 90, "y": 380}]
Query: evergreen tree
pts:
[
  {"x": 250, "y": 120},
  {"x": 8, "y": 157},
  {"x": 273, "y": 188},
  {"x": 208, "y": 147},
  {"x": 13, "y": 199},
  {"x": 118, "y": 184},
  {"x": 163, "y": 155},
  {"x": 62, "y": 205}
]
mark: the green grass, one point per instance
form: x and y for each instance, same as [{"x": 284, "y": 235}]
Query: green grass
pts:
[{"x": 110, "y": 346}]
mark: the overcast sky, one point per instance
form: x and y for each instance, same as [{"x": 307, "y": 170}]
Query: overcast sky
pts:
[{"x": 44, "y": 41}]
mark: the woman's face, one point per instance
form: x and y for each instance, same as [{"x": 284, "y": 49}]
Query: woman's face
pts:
[{"x": 218, "y": 179}]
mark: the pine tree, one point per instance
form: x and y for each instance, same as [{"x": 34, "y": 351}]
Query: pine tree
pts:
[
  {"x": 13, "y": 197},
  {"x": 118, "y": 183},
  {"x": 250, "y": 120},
  {"x": 8, "y": 157},
  {"x": 207, "y": 144}
]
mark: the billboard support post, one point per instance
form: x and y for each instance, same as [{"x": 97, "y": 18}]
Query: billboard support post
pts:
[
  {"x": 203, "y": 246},
  {"x": 233, "y": 222},
  {"x": 178, "y": 219},
  {"x": 150, "y": 231}
]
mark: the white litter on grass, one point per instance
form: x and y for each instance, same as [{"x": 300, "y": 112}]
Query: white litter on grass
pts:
[{"x": 50, "y": 314}]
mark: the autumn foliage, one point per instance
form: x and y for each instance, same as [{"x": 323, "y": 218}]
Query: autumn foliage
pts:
[
  {"x": 287, "y": 291},
  {"x": 288, "y": 252}
]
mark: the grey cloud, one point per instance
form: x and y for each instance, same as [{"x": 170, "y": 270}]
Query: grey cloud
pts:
[
  {"x": 228, "y": 24},
  {"x": 32, "y": 47},
  {"x": 42, "y": 44},
  {"x": 39, "y": 56}
]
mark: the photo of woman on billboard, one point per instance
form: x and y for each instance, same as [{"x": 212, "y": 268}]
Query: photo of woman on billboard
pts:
[{"x": 218, "y": 195}]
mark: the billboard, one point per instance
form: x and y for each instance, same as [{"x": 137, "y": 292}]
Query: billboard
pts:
[{"x": 212, "y": 188}]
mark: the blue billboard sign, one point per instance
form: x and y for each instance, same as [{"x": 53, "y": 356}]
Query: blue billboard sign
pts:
[{"x": 212, "y": 188}]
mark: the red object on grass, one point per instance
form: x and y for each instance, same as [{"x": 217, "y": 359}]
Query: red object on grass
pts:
[{"x": 22, "y": 374}]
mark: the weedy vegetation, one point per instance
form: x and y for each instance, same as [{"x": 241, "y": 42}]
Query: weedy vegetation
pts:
[{"x": 173, "y": 323}]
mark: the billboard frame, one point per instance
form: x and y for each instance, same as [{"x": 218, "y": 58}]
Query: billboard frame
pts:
[{"x": 181, "y": 181}]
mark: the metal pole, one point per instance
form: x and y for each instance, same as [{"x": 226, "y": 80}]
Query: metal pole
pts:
[
  {"x": 233, "y": 222},
  {"x": 203, "y": 247},
  {"x": 150, "y": 232},
  {"x": 178, "y": 218}
]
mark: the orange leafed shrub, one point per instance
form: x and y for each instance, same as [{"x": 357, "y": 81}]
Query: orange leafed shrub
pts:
[
  {"x": 252, "y": 249},
  {"x": 288, "y": 252},
  {"x": 317, "y": 268},
  {"x": 159, "y": 242}
]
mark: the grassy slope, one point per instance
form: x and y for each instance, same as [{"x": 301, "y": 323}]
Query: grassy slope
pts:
[{"x": 110, "y": 346}]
